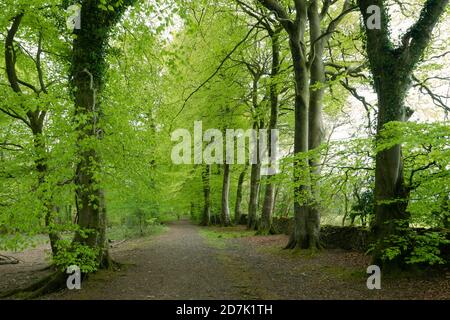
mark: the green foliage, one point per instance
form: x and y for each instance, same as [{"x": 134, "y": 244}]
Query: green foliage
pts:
[
  {"x": 413, "y": 247},
  {"x": 426, "y": 248},
  {"x": 363, "y": 207},
  {"x": 426, "y": 149},
  {"x": 70, "y": 253}
]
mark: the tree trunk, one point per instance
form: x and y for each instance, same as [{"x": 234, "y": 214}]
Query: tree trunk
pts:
[
  {"x": 306, "y": 230},
  {"x": 315, "y": 120},
  {"x": 391, "y": 193},
  {"x": 306, "y": 216},
  {"x": 392, "y": 68},
  {"x": 206, "y": 176},
  {"x": 225, "y": 213},
  {"x": 35, "y": 121},
  {"x": 87, "y": 77},
  {"x": 269, "y": 196},
  {"x": 255, "y": 172},
  {"x": 254, "y": 194},
  {"x": 46, "y": 198},
  {"x": 237, "y": 208}
]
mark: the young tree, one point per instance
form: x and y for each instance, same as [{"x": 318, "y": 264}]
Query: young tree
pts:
[{"x": 35, "y": 115}]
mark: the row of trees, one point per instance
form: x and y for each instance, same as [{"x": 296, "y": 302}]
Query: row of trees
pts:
[
  {"x": 296, "y": 51},
  {"x": 87, "y": 118}
]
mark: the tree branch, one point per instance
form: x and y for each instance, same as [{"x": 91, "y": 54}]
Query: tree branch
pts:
[
  {"x": 417, "y": 38},
  {"x": 217, "y": 69},
  {"x": 9, "y": 53}
]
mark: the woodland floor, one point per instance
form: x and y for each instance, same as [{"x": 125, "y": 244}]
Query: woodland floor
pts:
[{"x": 190, "y": 262}]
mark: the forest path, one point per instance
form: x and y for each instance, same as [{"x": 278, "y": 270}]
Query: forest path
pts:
[
  {"x": 177, "y": 264},
  {"x": 191, "y": 262}
]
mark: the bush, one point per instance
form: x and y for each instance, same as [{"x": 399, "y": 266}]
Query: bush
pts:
[
  {"x": 70, "y": 253},
  {"x": 415, "y": 247}
]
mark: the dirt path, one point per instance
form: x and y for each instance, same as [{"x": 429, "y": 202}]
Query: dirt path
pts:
[
  {"x": 190, "y": 262},
  {"x": 175, "y": 265}
]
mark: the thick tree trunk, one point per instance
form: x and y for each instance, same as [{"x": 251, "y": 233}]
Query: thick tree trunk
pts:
[
  {"x": 206, "y": 176},
  {"x": 306, "y": 217},
  {"x": 237, "y": 207},
  {"x": 391, "y": 193},
  {"x": 306, "y": 231},
  {"x": 392, "y": 68},
  {"x": 87, "y": 76},
  {"x": 225, "y": 212},
  {"x": 315, "y": 120}
]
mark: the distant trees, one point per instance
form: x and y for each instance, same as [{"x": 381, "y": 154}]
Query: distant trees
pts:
[{"x": 206, "y": 176}]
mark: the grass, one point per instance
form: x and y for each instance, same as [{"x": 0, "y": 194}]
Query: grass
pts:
[{"x": 217, "y": 236}]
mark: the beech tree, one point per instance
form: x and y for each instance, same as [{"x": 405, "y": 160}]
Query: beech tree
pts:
[
  {"x": 87, "y": 79},
  {"x": 392, "y": 68},
  {"x": 33, "y": 117},
  {"x": 309, "y": 75}
]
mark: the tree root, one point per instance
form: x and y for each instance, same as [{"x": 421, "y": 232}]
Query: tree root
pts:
[
  {"x": 8, "y": 260},
  {"x": 295, "y": 244},
  {"x": 292, "y": 244},
  {"x": 49, "y": 267},
  {"x": 55, "y": 282},
  {"x": 49, "y": 284}
]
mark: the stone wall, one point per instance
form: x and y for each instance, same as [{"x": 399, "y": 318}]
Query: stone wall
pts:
[{"x": 348, "y": 238}]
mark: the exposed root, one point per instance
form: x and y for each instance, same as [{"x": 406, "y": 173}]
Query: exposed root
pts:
[
  {"x": 49, "y": 267},
  {"x": 8, "y": 260},
  {"x": 292, "y": 244},
  {"x": 308, "y": 245},
  {"x": 114, "y": 244},
  {"x": 52, "y": 283}
]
